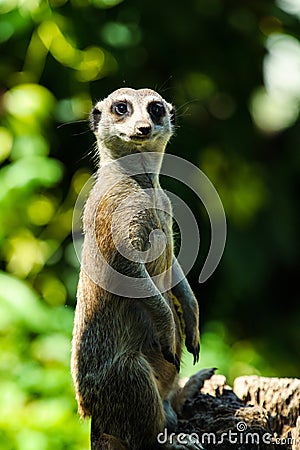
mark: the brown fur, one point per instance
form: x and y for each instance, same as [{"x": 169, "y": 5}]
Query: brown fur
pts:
[{"x": 126, "y": 350}]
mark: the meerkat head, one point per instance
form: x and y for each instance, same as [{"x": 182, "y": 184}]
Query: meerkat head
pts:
[{"x": 131, "y": 120}]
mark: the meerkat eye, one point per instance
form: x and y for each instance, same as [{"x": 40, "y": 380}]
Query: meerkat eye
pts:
[
  {"x": 120, "y": 108},
  {"x": 156, "y": 110}
]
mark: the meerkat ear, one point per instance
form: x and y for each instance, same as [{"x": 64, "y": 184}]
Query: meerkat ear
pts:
[{"x": 95, "y": 117}]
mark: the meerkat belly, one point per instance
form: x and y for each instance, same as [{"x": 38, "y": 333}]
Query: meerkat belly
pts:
[{"x": 120, "y": 325}]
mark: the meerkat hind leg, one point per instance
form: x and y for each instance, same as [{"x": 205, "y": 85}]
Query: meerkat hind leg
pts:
[
  {"x": 171, "y": 416},
  {"x": 190, "y": 444},
  {"x": 192, "y": 386},
  {"x": 107, "y": 442},
  {"x": 128, "y": 413}
]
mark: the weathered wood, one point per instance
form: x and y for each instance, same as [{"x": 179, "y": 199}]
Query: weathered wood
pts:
[
  {"x": 296, "y": 435},
  {"x": 257, "y": 414},
  {"x": 279, "y": 396}
]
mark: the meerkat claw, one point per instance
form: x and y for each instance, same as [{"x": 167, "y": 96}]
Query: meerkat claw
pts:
[
  {"x": 194, "y": 351},
  {"x": 177, "y": 363},
  {"x": 171, "y": 358},
  {"x": 196, "y": 354}
]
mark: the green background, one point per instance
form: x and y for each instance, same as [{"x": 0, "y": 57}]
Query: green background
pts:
[{"x": 231, "y": 68}]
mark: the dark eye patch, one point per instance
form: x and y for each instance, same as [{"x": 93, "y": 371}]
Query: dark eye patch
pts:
[
  {"x": 156, "y": 111},
  {"x": 120, "y": 108}
]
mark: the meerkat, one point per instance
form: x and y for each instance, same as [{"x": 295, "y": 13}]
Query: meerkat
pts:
[{"x": 127, "y": 348}]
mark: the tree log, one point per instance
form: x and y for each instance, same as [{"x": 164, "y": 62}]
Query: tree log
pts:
[{"x": 257, "y": 414}]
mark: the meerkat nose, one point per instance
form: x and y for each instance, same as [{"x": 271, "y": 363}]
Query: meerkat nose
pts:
[{"x": 143, "y": 128}]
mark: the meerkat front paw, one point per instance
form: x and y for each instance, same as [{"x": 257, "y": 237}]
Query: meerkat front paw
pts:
[
  {"x": 171, "y": 357},
  {"x": 192, "y": 344},
  {"x": 166, "y": 346}
]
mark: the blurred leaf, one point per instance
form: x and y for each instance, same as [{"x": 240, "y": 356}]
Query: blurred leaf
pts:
[
  {"x": 29, "y": 102},
  {"x": 27, "y": 145},
  {"x": 20, "y": 303},
  {"x": 30, "y": 172},
  {"x": 6, "y": 143}
]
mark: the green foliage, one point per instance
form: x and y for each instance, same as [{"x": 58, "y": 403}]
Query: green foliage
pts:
[
  {"x": 232, "y": 70},
  {"x": 37, "y": 407}
]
